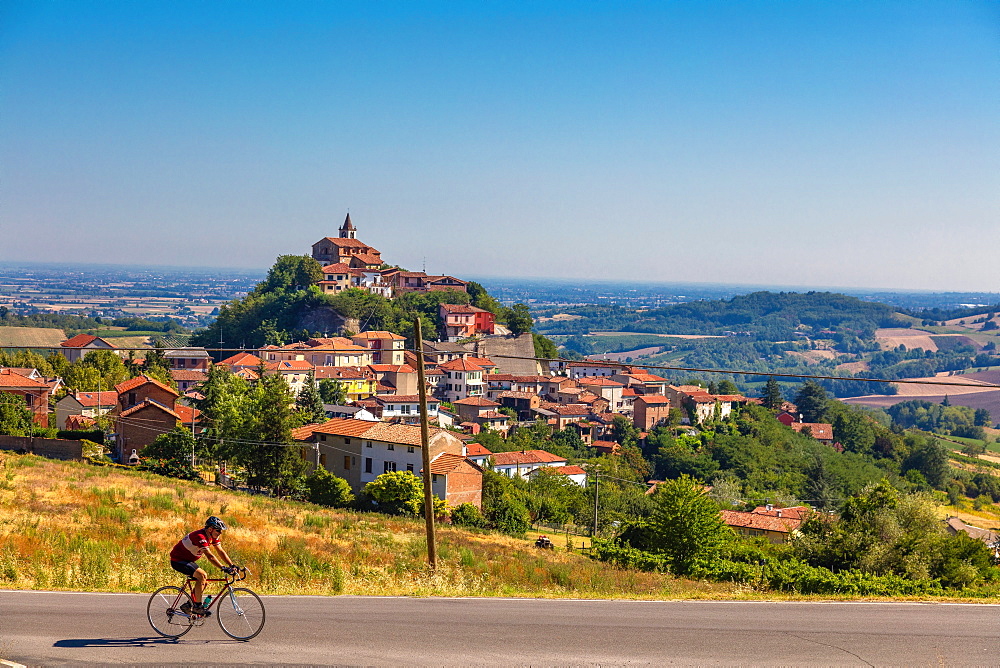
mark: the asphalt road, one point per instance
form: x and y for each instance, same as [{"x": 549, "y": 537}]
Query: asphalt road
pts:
[{"x": 50, "y": 628}]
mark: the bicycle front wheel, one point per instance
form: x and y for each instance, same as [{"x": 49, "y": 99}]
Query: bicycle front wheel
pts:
[
  {"x": 164, "y": 614},
  {"x": 240, "y": 614}
]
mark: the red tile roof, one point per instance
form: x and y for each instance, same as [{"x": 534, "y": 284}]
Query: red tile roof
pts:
[
  {"x": 392, "y": 368},
  {"x": 597, "y": 380},
  {"x": 736, "y": 518},
  {"x": 342, "y": 372},
  {"x": 242, "y": 359},
  {"x": 337, "y": 268},
  {"x": 475, "y": 401},
  {"x": 148, "y": 403},
  {"x": 460, "y": 309},
  {"x": 379, "y": 335},
  {"x": 652, "y": 399},
  {"x": 196, "y": 375},
  {"x": 141, "y": 380},
  {"x": 476, "y": 450},
  {"x": 525, "y": 457},
  {"x": 567, "y": 470},
  {"x": 90, "y": 399},
  {"x": 78, "y": 422},
  {"x": 404, "y": 399},
  {"x": 821, "y": 431},
  {"x": 186, "y": 413},
  {"x": 289, "y": 366},
  {"x": 460, "y": 365},
  {"x": 446, "y": 462},
  {"x": 80, "y": 341},
  {"x": 9, "y": 378}
]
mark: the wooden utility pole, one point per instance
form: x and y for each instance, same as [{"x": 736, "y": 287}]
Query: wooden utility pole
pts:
[{"x": 425, "y": 438}]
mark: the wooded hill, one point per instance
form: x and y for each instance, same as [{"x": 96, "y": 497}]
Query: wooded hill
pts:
[{"x": 771, "y": 316}]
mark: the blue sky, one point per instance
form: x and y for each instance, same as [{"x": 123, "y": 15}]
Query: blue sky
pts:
[{"x": 848, "y": 144}]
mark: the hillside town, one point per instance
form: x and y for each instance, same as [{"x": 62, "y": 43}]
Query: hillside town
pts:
[{"x": 352, "y": 408}]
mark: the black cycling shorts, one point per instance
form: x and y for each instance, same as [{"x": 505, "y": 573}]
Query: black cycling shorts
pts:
[{"x": 185, "y": 567}]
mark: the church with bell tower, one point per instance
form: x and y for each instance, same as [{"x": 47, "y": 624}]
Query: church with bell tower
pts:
[{"x": 346, "y": 249}]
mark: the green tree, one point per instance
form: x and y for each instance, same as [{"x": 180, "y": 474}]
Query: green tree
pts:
[
  {"x": 326, "y": 489},
  {"x": 291, "y": 273},
  {"x": 177, "y": 444},
  {"x": 772, "y": 394},
  {"x": 396, "y": 493},
  {"x": 545, "y": 348},
  {"x": 267, "y": 456},
  {"x": 479, "y": 298},
  {"x": 503, "y": 506},
  {"x": 811, "y": 402},
  {"x": 225, "y": 410},
  {"x": 309, "y": 404},
  {"x": 518, "y": 319},
  {"x": 332, "y": 392},
  {"x": 686, "y": 525},
  {"x": 15, "y": 418},
  {"x": 467, "y": 515}
]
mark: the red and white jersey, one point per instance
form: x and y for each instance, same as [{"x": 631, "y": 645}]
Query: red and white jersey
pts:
[{"x": 192, "y": 546}]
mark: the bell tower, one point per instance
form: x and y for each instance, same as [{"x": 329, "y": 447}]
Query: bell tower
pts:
[{"x": 347, "y": 230}]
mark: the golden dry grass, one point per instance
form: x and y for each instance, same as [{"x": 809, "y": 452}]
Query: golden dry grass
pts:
[{"x": 80, "y": 527}]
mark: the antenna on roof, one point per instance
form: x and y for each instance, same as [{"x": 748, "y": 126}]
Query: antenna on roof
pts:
[{"x": 425, "y": 264}]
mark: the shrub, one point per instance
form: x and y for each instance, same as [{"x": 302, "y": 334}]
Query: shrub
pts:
[
  {"x": 467, "y": 515},
  {"x": 326, "y": 489}
]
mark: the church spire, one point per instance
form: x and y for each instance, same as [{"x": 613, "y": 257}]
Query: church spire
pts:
[{"x": 347, "y": 229}]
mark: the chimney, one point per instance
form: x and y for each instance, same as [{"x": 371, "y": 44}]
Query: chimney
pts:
[{"x": 768, "y": 507}]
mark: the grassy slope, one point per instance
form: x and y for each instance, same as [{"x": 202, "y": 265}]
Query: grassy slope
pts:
[{"x": 80, "y": 527}]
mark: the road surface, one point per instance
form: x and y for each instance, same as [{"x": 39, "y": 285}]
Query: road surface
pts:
[{"x": 53, "y": 628}]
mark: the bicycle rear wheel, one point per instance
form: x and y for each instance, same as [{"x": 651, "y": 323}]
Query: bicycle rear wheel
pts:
[
  {"x": 166, "y": 619},
  {"x": 240, "y": 614}
]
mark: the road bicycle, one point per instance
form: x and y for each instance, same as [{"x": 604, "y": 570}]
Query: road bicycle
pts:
[{"x": 240, "y": 611}]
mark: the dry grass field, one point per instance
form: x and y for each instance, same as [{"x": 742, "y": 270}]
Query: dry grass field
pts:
[
  {"x": 31, "y": 337},
  {"x": 80, "y": 527}
]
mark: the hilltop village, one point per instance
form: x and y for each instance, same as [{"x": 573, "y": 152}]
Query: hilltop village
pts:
[{"x": 479, "y": 378}]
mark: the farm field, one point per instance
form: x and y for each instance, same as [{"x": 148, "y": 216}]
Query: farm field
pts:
[{"x": 31, "y": 337}]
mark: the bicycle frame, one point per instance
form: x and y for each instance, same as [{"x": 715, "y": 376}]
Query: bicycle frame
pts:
[{"x": 188, "y": 589}]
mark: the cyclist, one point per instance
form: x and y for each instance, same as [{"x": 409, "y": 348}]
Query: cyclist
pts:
[{"x": 191, "y": 548}]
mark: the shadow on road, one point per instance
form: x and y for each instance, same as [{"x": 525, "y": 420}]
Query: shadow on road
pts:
[{"x": 114, "y": 642}]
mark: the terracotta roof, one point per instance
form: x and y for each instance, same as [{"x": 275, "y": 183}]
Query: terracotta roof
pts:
[
  {"x": 343, "y": 427},
  {"x": 289, "y": 365},
  {"x": 566, "y": 409},
  {"x": 392, "y": 368},
  {"x": 795, "y": 512},
  {"x": 475, "y": 401},
  {"x": 368, "y": 259},
  {"x": 736, "y": 518},
  {"x": 446, "y": 462},
  {"x": 345, "y": 372},
  {"x": 481, "y": 361},
  {"x": 9, "y": 378},
  {"x": 80, "y": 341},
  {"x": 652, "y": 399},
  {"x": 346, "y": 243},
  {"x": 337, "y": 268},
  {"x": 460, "y": 308},
  {"x": 511, "y": 394},
  {"x": 476, "y": 450},
  {"x": 148, "y": 403},
  {"x": 604, "y": 382},
  {"x": 525, "y": 457},
  {"x": 566, "y": 470},
  {"x": 78, "y": 422},
  {"x": 188, "y": 374},
  {"x": 139, "y": 381},
  {"x": 594, "y": 363},
  {"x": 379, "y": 335},
  {"x": 304, "y": 433},
  {"x": 242, "y": 359},
  {"x": 821, "y": 431},
  {"x": 247, "y": 373},
  {"x": 460, "y": 365},
  {"x": 493, "y": 415},
  {"x": 186, "y": 413},
  {"x": 646, "y": 378},
  {"x": 405, "y": 399},
  {"x": 90, "y": 399}
]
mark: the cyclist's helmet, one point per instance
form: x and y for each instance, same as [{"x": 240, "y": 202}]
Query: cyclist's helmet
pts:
[{"x": 214, "y": 522}]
